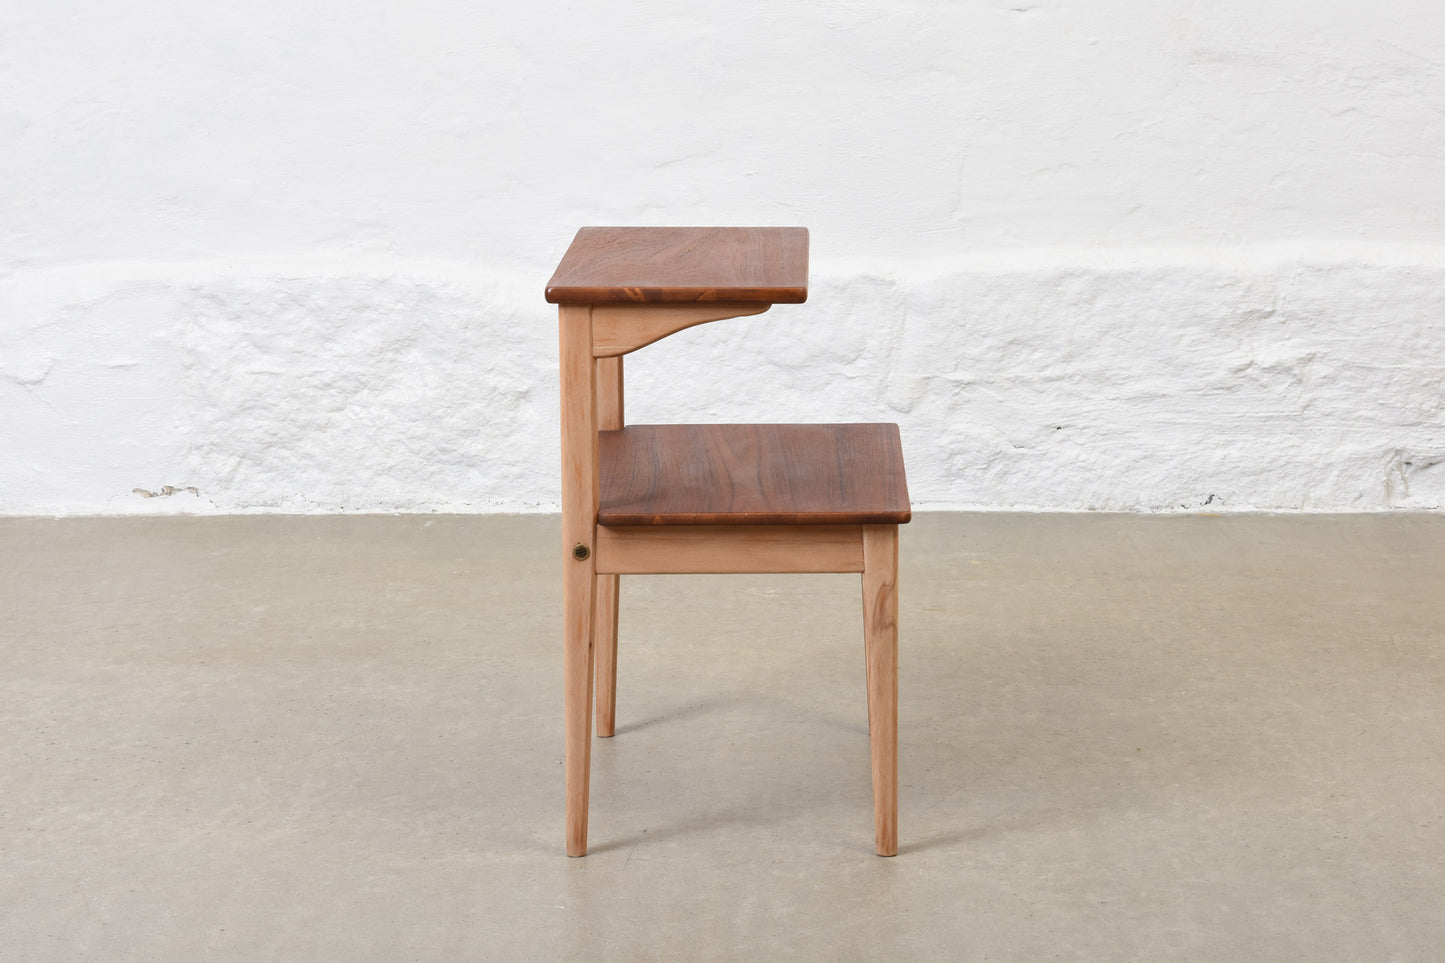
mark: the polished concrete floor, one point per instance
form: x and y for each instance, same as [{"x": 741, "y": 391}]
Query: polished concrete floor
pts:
[{"x": 339, "y": 738}]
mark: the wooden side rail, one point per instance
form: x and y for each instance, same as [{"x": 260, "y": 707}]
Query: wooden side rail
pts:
[{"x": 723, "y": 550}]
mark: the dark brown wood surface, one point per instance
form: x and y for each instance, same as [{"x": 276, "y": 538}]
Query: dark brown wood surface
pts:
[
  {"x": 746, "y": 265},
  {"x": 752, "y": 475}
]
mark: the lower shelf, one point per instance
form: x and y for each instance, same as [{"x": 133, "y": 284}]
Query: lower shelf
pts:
[{"x": 752, "y": 475}]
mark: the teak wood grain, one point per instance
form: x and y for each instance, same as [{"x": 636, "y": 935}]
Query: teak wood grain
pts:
[
  {"x": 671, "y": 264},
  {"x": 752, "y": 475}
]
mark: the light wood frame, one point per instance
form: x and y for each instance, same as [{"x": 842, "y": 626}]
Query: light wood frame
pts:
[{"x": 594, "y": 339}]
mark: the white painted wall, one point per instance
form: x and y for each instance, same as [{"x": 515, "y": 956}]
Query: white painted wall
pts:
[{"x": 1088, "y": 253}]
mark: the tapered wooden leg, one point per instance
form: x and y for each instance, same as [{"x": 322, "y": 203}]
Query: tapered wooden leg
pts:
[
  {"x": 577, "y": 604},
  {"x": 604, "y": 631},
  {"x": 579, "y": 562},
  {"x": 604, "y": 634},
  {"x": 880, "y": 628}
]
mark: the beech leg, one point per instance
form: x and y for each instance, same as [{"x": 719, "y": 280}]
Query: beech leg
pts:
[
  {"x": 604, "y": 632},
  {"x": 579, "y": 560},
  {"x": 577, "y": 711},
  {"x": 604, "y": 626},
  {"x": 880, "y": 623}
]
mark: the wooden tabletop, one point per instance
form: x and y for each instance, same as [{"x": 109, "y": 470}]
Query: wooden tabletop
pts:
[{"x": 748, "y": 265}]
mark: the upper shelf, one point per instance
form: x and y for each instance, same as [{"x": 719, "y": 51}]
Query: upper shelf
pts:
[{"x": 634, "y": 265}]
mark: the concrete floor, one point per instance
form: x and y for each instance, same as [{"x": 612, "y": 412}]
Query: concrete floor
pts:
[{"x": 339, "y": 738}]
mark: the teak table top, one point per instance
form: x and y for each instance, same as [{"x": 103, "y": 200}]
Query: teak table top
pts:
[
  {"x": 752, "y": 475},
  {"x": 742, "y": 265}
]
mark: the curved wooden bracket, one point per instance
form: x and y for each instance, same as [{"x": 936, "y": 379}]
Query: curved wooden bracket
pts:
[{"x": 620, "y": 328}]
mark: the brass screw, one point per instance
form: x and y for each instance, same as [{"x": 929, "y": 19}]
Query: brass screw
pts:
[{"x": 581, "y": 552}]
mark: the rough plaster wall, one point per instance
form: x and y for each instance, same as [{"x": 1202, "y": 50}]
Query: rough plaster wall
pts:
[{"x": 1093, "y": 254}]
